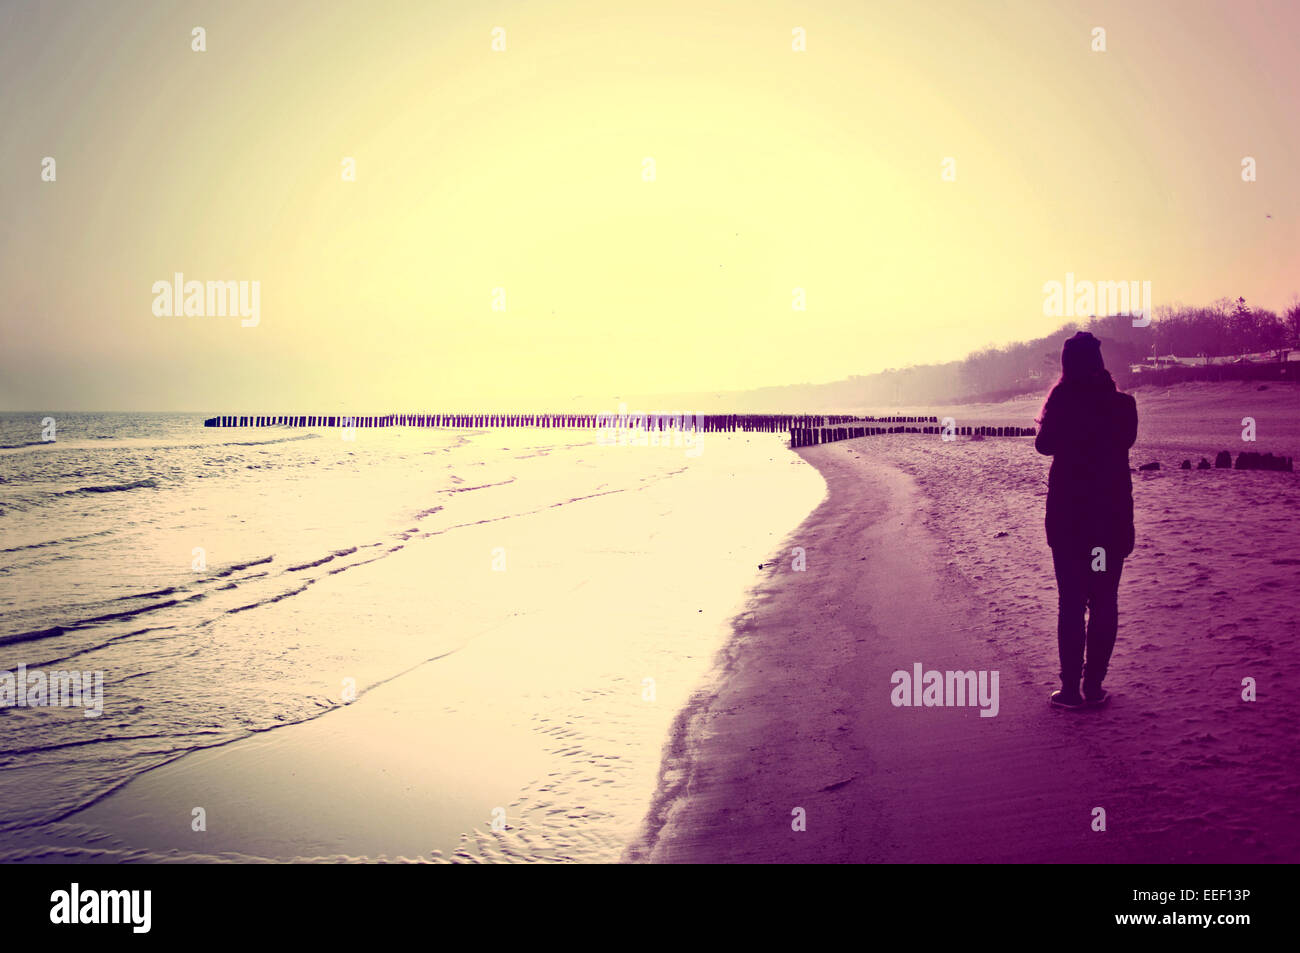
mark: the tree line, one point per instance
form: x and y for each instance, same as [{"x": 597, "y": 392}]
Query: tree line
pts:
[{"x": 1222, "y": 329}]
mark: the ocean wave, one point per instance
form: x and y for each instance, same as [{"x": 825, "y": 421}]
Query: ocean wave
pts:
[
  {"x": 324, "y": 559},
  {"x": 110, "y": 438},
  {"x": 481, "y": 486},
  {"x": 89, "y": 621},
  {"x": 94, "y": 620},
  {"x": 272, "y": 599},
  {"x": 32, "y": 636},
  {"x": 238, "y": 566},
  {"x": 261, "y": 443},
  {"x": 19, "y": 446},
  {"x": 149, "y": 483},
  {"x": 170, "y": 590},
  {"x": 55, "y": 542}
]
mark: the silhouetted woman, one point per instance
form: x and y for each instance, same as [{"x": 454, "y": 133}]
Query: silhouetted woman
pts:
[{"x": 1087, "y": 427}]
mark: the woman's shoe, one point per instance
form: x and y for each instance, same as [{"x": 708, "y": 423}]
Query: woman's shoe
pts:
[
  {"x": 1095, "y": 697},
  {"x": 1066, "y": 699}
]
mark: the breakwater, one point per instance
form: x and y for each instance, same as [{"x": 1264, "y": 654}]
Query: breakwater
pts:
[{"x": 705, "y": 423}]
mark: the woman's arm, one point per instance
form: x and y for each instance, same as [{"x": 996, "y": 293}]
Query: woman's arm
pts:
[
  {"x": 1046, "y": 441},
  {"x": 1128, "y": 421}
]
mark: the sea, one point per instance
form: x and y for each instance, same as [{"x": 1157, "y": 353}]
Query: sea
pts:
[{"x": 202, "y": 574}]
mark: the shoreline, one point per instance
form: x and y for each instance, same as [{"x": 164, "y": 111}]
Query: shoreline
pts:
[
  {"x": 802, "y": 716},
  {"x": 918, "y": 553},
  {"x": 537, "y": 708}
]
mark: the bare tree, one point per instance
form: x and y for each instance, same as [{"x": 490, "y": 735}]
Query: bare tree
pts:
[{"x": 1291, "y": 321}]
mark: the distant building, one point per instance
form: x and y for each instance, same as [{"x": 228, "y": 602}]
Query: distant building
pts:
[{"x": 1159, "y": 362}]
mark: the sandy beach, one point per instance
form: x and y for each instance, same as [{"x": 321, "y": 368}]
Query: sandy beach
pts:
[
  {"x": 581, "y": 433},
  {"x": 933, "y": 553},
  {"x": 688, "y": 658}
]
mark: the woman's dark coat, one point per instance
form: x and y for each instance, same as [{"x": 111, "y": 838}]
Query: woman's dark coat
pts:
[{"x": 1087, "y": 429}]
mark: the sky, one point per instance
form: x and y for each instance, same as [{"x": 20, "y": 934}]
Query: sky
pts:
[{"x": 505, "y": 243}]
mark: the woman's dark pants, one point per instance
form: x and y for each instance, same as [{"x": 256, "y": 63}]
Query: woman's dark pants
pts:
[{"x": 1081, "y": 587}]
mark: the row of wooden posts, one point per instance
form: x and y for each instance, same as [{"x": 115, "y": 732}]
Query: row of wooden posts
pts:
[
  {"x": 707, "y": 423},
  {"x": 811, "y": 436},
  {"x": 805, "y": 429},
  {"x": 1246, "y": 460}
]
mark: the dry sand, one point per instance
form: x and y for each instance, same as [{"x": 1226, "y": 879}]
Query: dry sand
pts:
[{"x": 934, "y": 553}]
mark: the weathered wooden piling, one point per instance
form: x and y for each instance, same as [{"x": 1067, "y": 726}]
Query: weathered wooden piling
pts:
[
  {"x": 805, "y": 430},
  {"x": 818, "y": 433}
]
